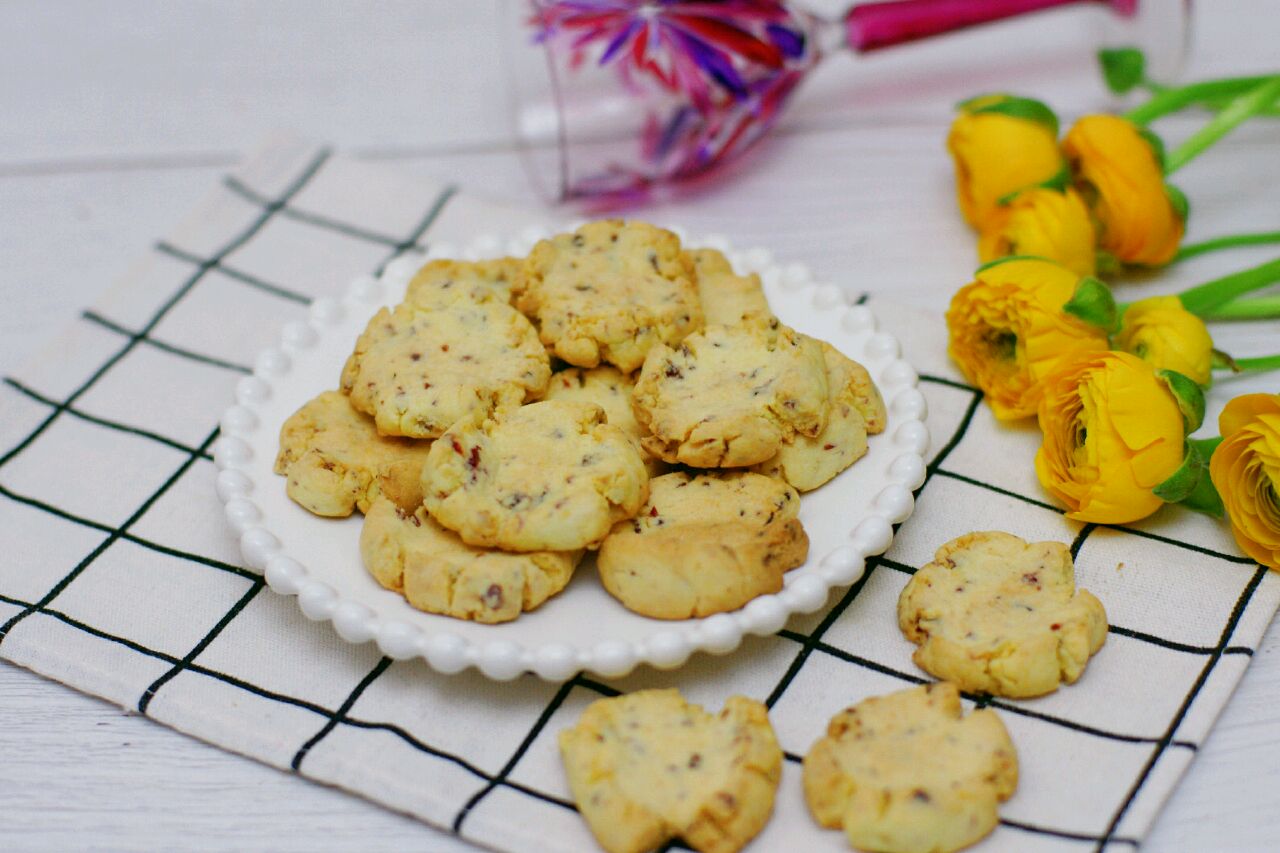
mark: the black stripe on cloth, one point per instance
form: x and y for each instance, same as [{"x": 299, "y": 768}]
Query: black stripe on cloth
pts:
[
  {"x": 241, "y": 189},
  {"x": 372, "y": 676},
  {"x": 433, "y": 212},
  {"x": 125, "y": 535},
  {"x": 1242, "y": 603},
  {"x": 952, "y": 475},
  {"x": 1199, "y": 549},
  {"x": 950, "y": 383},
  {"x": 254, "y": 588},
  {"x": 231, "y": 272},
  {"x": 90, "y": 630},
  {"x": 54, "y": 511},
  {"x": 980, "y": 698},
  {"x": 956, "y": 437},
  {"x": 1162, "y": 642},
  {"x": 238, "y": 683},
  {"x": 97, "y": 319},
  {"x": 602, "y": 689},
  {"x": 1059, "y": 833},
  {"x": 235, "y": 243},
  {"x": 847, "y": 599},
  {"x": 1114, "y": 629},
  {"x": 103, "y": 422},
  {"x": 411, "y": 241},
  {"x": 437, "y": 753},
  {"x": 1078, "y": 542},
  {"x": 796, "y": 759},
  {"x": 539, "y": 724},
  {"x": 106, "y": 543},
  {"x": 1015, "y": 824},
  {"x": 807, "y": 643}
]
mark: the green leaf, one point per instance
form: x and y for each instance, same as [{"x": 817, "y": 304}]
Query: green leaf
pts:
[
  {"x": 1123, "y": 68},
  {"x": 1189, "y": 396},
  {"x": 1093, "y": 303},
  {"x": 1157, "y": 144},
  {"x": 1015, "y": 106},
  {"x": 1178, "y": 199}
]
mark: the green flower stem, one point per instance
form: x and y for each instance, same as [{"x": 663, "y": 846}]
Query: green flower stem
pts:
[
  {"x": 1171, "y": 100},
  {"x": 1223, "y": 123},
  {"x": 1207, "y": 297},
  {"x": 1219, "y": 101},
  {"x": 1257, "y": 308},
  {"x": 1253, "y": 365},
  {"x": 1190, "y": 250}
]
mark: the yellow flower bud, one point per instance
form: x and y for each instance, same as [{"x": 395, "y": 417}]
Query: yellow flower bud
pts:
[
  {"x": 1008, "y": 331},
  {"x": 1117, "y": 172},
  {"x": 996, "y": 154},
  {"x": 1246, "y": 472},
  {"x": 1043, "y": 222},
  {"x": 1112, "y": 431},
  {"x": 1167, "y": 336}
]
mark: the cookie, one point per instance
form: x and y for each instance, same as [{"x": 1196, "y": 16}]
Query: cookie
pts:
[
  {"x": 995, "y": 614},
  {"x": 904, "y": 773},
  {"x": 551, "y": 476},
  {"x": 334, "y": 461},
  {"x": 420, "y": 370},
  {"x": 647, "y": 767},
  {"x": 703, "y": 544},
  {"x": 440, "y": 282},
  {"x": 408, "y": 552},
  {"x": 854, "y": 404},
  {"x": 731, "y": 395},
  {"x": 727, "y": 298},
  {"x": 610, "y": 389},
  {"x": 609, "y": 292}
]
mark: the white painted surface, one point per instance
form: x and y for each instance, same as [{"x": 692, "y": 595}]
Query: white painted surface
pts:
[{"x": 117, "y": 117}]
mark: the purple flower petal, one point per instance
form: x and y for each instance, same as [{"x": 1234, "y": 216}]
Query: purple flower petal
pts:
[{"x": 789, "y": 41}]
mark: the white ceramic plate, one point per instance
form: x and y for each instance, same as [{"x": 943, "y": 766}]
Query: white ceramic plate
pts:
[{"x": 582, "y": 628}]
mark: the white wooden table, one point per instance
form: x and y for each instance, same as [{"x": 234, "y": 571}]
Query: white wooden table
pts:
[{"x": 118, "y": 117}]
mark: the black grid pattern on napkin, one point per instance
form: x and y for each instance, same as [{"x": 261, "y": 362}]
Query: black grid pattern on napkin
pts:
[{"x": 808, "y": 644}]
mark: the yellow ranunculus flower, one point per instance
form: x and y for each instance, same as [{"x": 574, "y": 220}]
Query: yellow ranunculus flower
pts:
[
  {"x": 1246, "y": 472},
  {"x": 1043, "y": 222},
  {"x": 1120, "y": 178},
  {"x": 1008, "y": 331},
  {"x": 1112, "y": 431},
  {"x": 996, "y": 154},
  {"x": 1167, "y": 336}
]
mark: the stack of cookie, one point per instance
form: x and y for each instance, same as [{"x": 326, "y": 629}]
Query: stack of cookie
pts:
[{"x": 612, "y": 392}]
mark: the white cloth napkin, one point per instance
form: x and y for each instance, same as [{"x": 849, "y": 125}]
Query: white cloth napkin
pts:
[{"x": 121, "y": 579}]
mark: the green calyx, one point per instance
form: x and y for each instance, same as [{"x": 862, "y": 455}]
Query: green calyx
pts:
[
  {"x": 1191, "y": 484},
  {"x": 1059, "y": 182},
  {"x": 1094, "y": 303},
  {"x": 1123, "y": 68},
  {"x": 1157, "y": 144},
  {"x": 1178, "y": 199},
  {"x": 1189, "y": 396},
  {"x": 1007, "y": 258},
  {"x": 1014, "y": 106}
]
